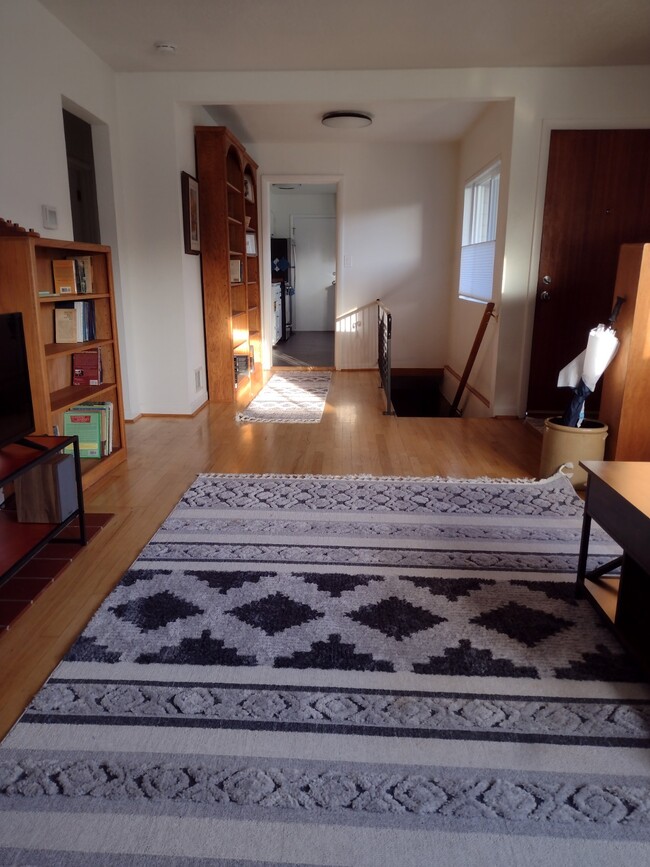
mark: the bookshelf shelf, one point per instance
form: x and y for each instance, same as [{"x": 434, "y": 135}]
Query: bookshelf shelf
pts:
[
  {"x": 52, "y": 350},
  {"x": 64, "y": 398},
  {"x": 89, "y": 296},
  {"x": 229, "y": 226},
  {"x": 26, "y": 271}
]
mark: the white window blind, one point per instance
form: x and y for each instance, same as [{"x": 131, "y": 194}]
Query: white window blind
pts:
[{"x": 480, "y": 208}]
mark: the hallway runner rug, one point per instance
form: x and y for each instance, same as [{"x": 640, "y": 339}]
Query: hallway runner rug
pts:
[
  {"x": 372, "y": 672},
  {"x": 290, "y": 398}
]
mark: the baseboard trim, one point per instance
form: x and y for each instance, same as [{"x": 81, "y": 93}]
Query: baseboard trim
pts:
[{"x": 174, "y": 414}]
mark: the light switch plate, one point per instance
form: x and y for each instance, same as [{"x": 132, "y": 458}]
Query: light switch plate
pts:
[{"x": 50, "y": 217}]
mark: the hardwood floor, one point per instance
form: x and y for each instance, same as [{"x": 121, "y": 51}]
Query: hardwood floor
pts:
[
  {"x": 165, "y": 454},
  {"x": 305, "y": 349}
]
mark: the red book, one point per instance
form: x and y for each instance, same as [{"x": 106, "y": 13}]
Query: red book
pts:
[{"x": 87, "y": 367}]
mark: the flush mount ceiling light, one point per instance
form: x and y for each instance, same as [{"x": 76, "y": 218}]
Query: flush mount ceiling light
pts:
[
  {"x": 165, "y": 47},
  {"x": 287, "y": 186},
  {"x": 346, "y": 119}
]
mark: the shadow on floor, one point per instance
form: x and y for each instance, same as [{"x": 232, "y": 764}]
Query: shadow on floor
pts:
[{"x": 305, "y": 349}]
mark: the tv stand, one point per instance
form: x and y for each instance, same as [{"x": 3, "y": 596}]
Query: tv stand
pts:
[
  {"x": 19, "y": 542},
  {"x": 31, "y": 445}
]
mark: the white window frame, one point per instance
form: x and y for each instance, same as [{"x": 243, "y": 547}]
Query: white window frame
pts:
[{"x": 478, "y": 244}]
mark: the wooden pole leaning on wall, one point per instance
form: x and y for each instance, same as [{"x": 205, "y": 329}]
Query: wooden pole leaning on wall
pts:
[{"x": 487, "y": 313}]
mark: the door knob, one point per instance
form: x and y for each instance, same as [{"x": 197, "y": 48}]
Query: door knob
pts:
[{"x": 545, "y": 296}]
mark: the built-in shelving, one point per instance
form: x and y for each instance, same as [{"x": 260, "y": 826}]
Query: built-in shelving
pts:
[{"x": 231, "y": 293}]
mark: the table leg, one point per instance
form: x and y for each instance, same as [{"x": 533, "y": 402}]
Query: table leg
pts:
[{"x": 584, "y": 551}]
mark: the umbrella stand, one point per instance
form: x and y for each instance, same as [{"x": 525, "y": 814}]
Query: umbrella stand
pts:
[
  {"x": 584, "y": 371},
  {"x": 567, "y": 441}
]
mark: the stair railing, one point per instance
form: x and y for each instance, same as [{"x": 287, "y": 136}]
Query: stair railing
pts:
[
  {"x": 363, "y": 337},
  {"x": 384, "y": 329}
]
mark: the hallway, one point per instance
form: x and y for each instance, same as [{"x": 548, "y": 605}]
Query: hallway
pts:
[{"x": 305, "y": 349}]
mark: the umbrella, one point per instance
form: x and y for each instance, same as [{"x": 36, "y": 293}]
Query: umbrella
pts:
[{"x": 582, "y": 374}]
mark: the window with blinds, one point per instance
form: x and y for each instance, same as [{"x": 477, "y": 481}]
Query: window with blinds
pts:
[{"x": 479, "y": 235}]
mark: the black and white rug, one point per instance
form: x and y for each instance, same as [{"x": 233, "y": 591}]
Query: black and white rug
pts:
[
  {"x": 324, "y": 670},
  {"x": 296, "y": 397}
]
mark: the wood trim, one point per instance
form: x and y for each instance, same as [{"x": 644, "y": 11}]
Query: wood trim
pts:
[
  {"x": 172, "y": 414},
  {"x": 470, "y": 388},
  {"x": 417, "y": 371}
]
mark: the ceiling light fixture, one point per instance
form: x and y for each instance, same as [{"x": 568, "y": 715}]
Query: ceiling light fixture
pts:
[
  {"x": 346, "y": 119},
  {"x": 165, "y": 47}
]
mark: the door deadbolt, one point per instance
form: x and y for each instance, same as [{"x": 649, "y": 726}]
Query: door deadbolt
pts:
[{"x": 545, "y": 296}]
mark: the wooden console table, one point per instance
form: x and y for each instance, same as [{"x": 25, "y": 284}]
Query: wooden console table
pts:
[{"x": 618, "y": 499}]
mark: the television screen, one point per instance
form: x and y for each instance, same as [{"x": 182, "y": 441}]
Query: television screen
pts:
[{"x": 16, "y": 412}]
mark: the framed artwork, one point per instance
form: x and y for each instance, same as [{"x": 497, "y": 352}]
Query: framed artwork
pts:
[
  {"x": 190, "y": 197},
  {"x": 251, "y": 244},
  {"x": 249, "y": 191}
]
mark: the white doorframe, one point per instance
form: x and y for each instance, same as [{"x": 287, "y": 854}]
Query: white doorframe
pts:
[{"x": 266, "y": 182}]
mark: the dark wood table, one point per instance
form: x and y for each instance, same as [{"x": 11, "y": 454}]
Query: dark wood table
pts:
[{"x": 618, "y": 500}]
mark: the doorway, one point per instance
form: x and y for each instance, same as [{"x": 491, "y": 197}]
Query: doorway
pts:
[
  {"x": 303, "y": 268},
  {"x": 597, "y": 198},
  {"x": 81, "y": 178}
]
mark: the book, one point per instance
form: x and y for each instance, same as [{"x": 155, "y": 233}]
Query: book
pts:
[
  {"x": 235, "y": 271},
  {"x": 87, "y": 367},
  {"x": 84, "y": 273},
  {"x": 74, "y": 321},
  {"x": 65, "y": 278},
  {"x": 86, "y": 424},
  {"x": 105, "y": 409},
  {"x": 65, "y": 324}
]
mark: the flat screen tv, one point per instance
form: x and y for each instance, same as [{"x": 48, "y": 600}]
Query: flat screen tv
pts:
[{"x": 16, "y": 411}]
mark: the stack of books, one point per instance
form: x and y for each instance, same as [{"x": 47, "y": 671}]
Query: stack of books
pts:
[
  {"x": 74, "y": 321},
  {"x": 92, "y": 423},
  {"x": 73, "y": 276}
]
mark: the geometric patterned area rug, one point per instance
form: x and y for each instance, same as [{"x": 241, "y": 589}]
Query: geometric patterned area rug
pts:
[
  {"x": 291, "y": 398},
  {"x": 341, "y": 671}
]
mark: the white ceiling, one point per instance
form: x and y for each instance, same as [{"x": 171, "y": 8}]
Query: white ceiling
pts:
[
  {"x": 360, "y": 34},
  {"x": 413, "y": 121},
  {"x": 261, "y": 35}
]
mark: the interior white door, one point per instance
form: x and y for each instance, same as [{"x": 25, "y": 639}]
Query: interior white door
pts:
[{"x": 314, "y": 258}]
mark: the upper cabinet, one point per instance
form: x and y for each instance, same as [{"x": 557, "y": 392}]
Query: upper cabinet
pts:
[{"x": 229, "y": 263}]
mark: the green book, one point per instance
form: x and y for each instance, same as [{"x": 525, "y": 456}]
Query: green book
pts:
[
  {"x": 105, "y": 409},
  {"x": 87, "y": 425}
]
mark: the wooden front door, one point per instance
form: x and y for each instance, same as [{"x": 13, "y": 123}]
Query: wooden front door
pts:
[{"x": 597, "y": 198}]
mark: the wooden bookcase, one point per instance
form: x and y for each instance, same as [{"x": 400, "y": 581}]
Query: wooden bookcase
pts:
[
  {"x": 625, "y": 404},
  {"x": 227, "y": 178},
  {"x": 27, "y": 286}
]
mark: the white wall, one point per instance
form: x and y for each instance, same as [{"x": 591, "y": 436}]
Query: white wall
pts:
[
  {"x": 542, "y": 99},
  {"x": 489, "y": 139},
  {"x": 148, "y": 120},
  {"x": 42, "y": 68},
  {"x": 394, "y": 203}
]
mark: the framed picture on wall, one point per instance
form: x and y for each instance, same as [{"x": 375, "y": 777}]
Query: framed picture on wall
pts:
[{"x": 190, "y": 197}]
